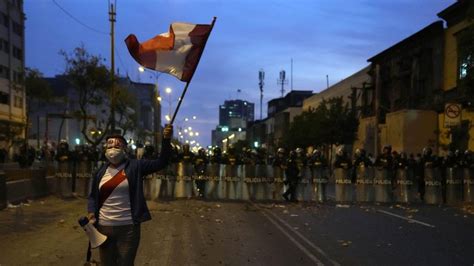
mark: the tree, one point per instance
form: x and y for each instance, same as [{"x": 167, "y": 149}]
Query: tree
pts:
[
  {"x": 37, "y": 91},
  {"x": 92, "y": 81},
  {"x": 126, "y": 105},
  {"x": 331, "y": 122}
]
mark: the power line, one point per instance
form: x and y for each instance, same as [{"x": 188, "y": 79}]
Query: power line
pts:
[{"x": 77, "y": 20}]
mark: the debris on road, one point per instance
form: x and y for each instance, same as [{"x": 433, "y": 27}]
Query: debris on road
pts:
[
  {"x": 344, "y": 243},
  {"x": 342, "y": 206}
]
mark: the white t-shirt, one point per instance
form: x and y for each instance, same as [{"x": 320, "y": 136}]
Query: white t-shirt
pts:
[{"x": 116, "y": 208}]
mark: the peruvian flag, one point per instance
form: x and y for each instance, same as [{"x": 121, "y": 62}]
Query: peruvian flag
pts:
[{"x": 176, "y": 52}]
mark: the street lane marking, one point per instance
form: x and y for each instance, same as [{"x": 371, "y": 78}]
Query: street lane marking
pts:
[
  {"x": 407, "y": 219},
  {"x": 301, "y": 247},
  {"x": 289, "y": 227}
]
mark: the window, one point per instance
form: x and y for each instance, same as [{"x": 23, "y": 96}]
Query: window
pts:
[
  {"x": 4, "y": 98},
  {"x": 17, "y": 53},
  {"x": 18, "y": 101},
  {"x": 465, "y": 64},
  {"x": 5, "y": 46},
  {"x": 4, "y": 72},
  {"x": 5, "y": 20},
  {"x": 17, "y": 28}
]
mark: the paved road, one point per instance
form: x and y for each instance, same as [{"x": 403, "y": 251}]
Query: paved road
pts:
[{"x": 192, "y": 232}]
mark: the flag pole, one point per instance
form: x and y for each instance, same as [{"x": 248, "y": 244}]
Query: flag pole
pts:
[{"x": 187, "y": 83}]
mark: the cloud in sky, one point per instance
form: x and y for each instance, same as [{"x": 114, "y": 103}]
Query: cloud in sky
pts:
[{"x": 324, "y": 37}]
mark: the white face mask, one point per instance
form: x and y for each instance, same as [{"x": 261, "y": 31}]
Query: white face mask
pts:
[{"x": 114, "y": 155}]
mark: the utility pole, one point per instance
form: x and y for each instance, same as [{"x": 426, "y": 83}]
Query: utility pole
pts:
[
  {"x": 112, "y": 13},
  {"x": 261, "y": 77}
]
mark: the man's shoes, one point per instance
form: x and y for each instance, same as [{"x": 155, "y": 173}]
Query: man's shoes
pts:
[{"x": 285, "y": 197}]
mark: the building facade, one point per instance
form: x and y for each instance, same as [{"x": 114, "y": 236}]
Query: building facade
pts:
[
  {"x": 233, "y": 118},
  {"x": 458, "y": 134},
  {"x": 13, "y": 118},
  {"x": 407, "y": 80},
  {"x": 58, "y": 119}
]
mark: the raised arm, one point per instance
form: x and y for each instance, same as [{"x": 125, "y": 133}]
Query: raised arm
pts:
[{"x": 151, "y": 166}]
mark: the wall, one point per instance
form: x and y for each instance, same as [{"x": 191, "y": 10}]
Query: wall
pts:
[
  {"x": 366, "y": 135},
  {"x": 411, "y": 130}
]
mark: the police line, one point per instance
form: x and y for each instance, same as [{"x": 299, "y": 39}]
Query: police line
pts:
[{"x": 267, "y": 182}]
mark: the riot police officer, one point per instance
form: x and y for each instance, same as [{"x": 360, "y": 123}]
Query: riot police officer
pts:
[
  {"x": 149, "y": 151},
  {"x": 216, "y": 156},
  {"x": 360, "y": 159},
  {"x": 200, "y": 164},
  {"x": 427, "y": 160},
  {"x": 63, "y": 153},
  {"x": 385, "y": 160},
  {"x": 280, "y": 158},
  {"x": 342, "y": 159},
  {"x": 292, "y": 176},
  {"x": 231, "y": 156},
  {"x": 317, "y": 159}
]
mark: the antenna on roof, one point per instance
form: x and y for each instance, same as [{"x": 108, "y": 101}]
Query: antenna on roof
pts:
[{"x": 282, "y": 81}]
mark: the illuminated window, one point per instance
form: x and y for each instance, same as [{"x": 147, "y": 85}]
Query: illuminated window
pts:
[{"x": 464, "y": 66}]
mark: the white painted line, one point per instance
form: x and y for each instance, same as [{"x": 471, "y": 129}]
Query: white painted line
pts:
[
  {"x": 407, "y": 219},
  {"x": 301, "y": 247},
  {"x": 289, "y": 227}
]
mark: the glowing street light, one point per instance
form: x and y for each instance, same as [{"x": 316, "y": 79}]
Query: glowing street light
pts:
[{"x": 168, "y": 90}]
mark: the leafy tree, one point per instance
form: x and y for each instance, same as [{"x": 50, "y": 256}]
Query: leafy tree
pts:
[
  {"x": 92, "y": 81},
  {"x": 331, "y": 122},
  {"x": 37, "y": 91},
  {"x": 127, "y": 103}
]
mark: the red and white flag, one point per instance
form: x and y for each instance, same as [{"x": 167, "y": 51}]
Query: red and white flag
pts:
[{"x": 176, "y": 52}]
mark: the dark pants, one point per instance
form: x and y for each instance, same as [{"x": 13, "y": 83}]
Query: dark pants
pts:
[
  {"x": 291, "y": 191},
  {"x": 121, "y": 245}
]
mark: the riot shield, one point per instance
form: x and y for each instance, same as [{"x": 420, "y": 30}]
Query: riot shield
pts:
[
  {"x": 184, "y": 183},
  {"x": 382, "y": 185},
  {"x": 303, "y": 188},
  {"x": 83, "y": 178},
  {"x": 169, "y": 182},
  {"x": 249, "y": 186},
  {"x": 232, "y": 175},
  {"x": 343, "y": 185},
  {"x": 454, "y": 185},
  {"x": 433, "y": 192},
  {"x": 278, "y": 185},
  {"x": 260, "y": 184},
  {"x": 364, "y": 184},
  {"x": 406, "y": 190},
  {"x": 319, "y": 182},
  {"x": 64, "y": 179},
  {"x": 468, "y": 184},
  {"x": 150, "y": 187},
  {"x": 212, "y": 171}
]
